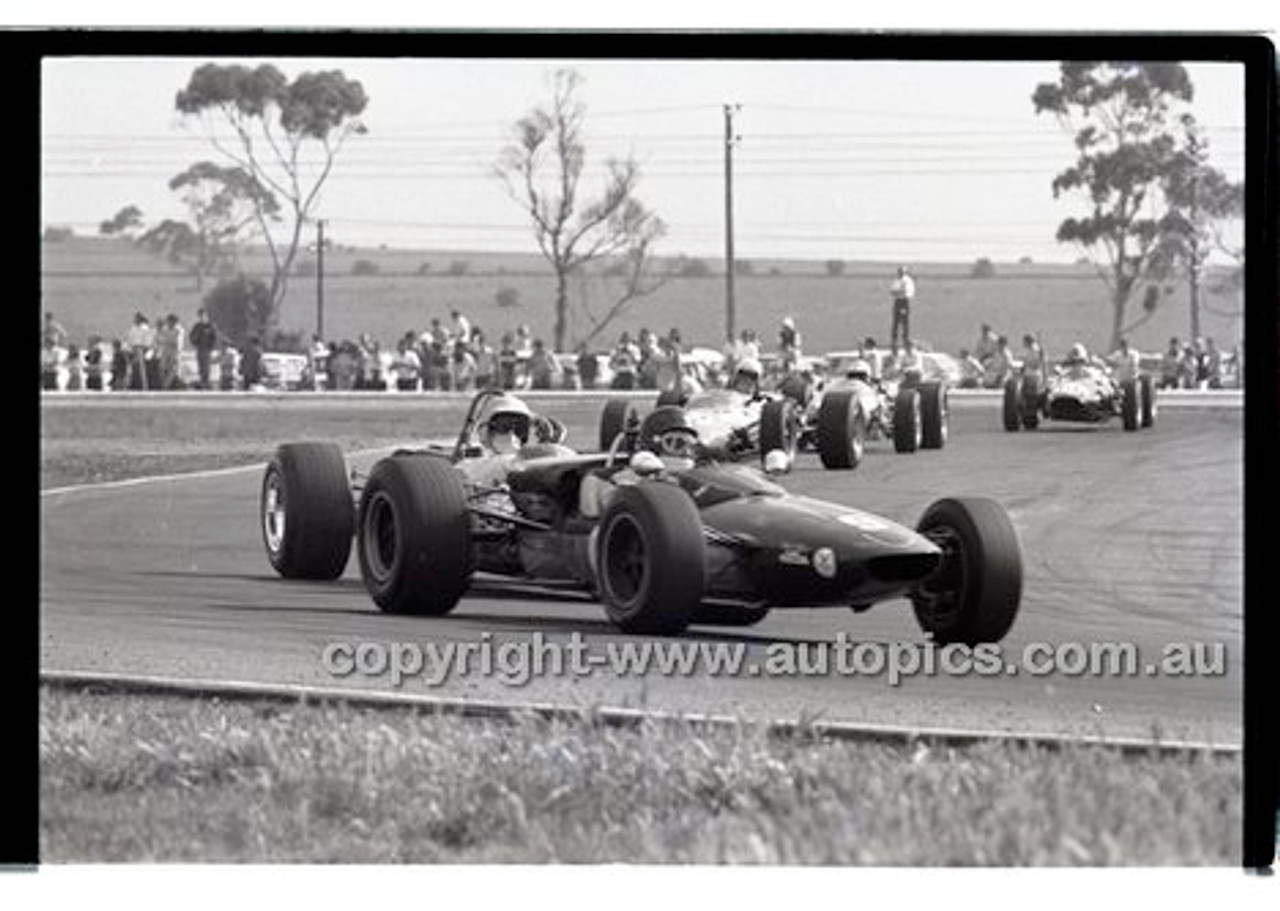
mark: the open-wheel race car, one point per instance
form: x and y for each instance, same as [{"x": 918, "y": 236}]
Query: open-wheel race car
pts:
[
  {"x": 850, "y": 405},
  {"x": 1084, "y": 394},
  {"x": 662, "y": 543}
]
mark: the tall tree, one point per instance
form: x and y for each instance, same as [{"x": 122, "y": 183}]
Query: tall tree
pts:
[
  {"x": 124, "y": 222},
  {"x": 542, "y": 169},
  {"x": 1121, "y": 116},
  {"x": 273, "y": 122},
  {"x": 1202, "y": 202}
]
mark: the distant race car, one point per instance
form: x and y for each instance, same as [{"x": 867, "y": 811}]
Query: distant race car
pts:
[
  {"x": 848, "y": 405},
  {"x": 1090, "y": 396},
  {"x": 671, "y": 546},
  {"x": 731, "y": 425}
]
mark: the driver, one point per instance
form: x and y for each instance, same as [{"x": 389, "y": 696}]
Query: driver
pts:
[
  {"x": 503, "y": 436},
  {"x": 1078, "y": 365},
  {"x": 746, "y": 378},
  {"x": 667, "y": 441}
]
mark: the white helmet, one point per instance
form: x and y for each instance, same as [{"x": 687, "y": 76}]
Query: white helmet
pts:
[
  {"x": 1078, "y": 353},
  {"x": 509, "y": 417},
  {"x": 859, "y": 369},
  {"x": 748, "y": 369}
]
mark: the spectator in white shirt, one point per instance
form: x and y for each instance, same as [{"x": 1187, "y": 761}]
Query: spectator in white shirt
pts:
[
  {"x": 903, "y": 291},
  {"x": 1126, "y": 361},
  {"x": 139, "y": 340}
]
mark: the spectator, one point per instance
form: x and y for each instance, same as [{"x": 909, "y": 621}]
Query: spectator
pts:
[
  {"x": 318, "y": 362},
  {"x": 407, "y": 366},
  {"x": 508, "y": 362},
  {"x": 1000, "y": 365},
  {"x": 588, "y": 367},
  {"x": 903, "y": 291},
  {"x": 486, "y": 360},
  {"x": 74, "y": 369},
  {"x": 524, "y": 342},
  {"x": 344, "y": 364},
  {"x": 251, "y": 364},
  {"x": 119, "y": 366},
  {"x": 988, "y": 344},
  {"x": 53, "y": 332},
  {"x": 461, "y": 327},
  {"x": 438, "y": 332},
  {"x": 228, "y": 368},
  {"x": 51, "y": 358},
  {"x": 1171, "y": 364},
  {"x": 971, "y": 370},
  {"x": 1201, "y": 364},
  {"x": 463, "y": 367},
  {"x": 139, "y": 339},
  {"x": 1188, "y": 367},
  {"x": 204, "y": 338},
  {"x": 1125, "y": 362},
  {"x": 1032, "y": 354},
  {"x": 624, "y": 362},
  {"x": 170, "y": 340},
  {"x": 666, "y": 362},
  {"x": 788, "y": 344},
  {"x": 911, "y": 364},
  {"x": 544, "y": 369},
  {"x": 96, "y": 365},
  {"x": 1212, "y": 360},
  {"x": 647, "y": 367}
]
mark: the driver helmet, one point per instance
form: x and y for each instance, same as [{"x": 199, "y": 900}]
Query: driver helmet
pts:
[
  {"x": 746, "y": 378},
  {"x": 667, "y": 432},
  {"x": 859, "y": 369},
  {"x": 509, "y": 419},
  {"x": 1077, "y": 354}
]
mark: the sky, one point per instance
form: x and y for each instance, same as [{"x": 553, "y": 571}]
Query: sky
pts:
[{"x": 907, "y": 161}]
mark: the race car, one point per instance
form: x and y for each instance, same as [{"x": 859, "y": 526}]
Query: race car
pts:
[
  {"x": 853, "y": 403},
  {"x": 734, "y": 423},
  {"x": 1080, "y": 391},
  {"x": 702, "y": 542}
]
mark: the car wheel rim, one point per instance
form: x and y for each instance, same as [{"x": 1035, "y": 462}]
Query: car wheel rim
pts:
[
  {"x": 625, "y": 564},
  {"x": 380, "y": 543},
  {"x": 273, "y": 512},
  {"x": 942, "y": 593}
]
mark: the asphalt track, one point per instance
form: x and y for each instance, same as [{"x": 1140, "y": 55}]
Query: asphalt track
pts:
[{"x": 1127, "y": 538}]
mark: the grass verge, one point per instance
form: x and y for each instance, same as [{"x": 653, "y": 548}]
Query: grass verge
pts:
[{"x": 127, "y": 778}]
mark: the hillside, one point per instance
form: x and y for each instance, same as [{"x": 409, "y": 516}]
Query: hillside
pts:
[{"x": 95, "y": 285}]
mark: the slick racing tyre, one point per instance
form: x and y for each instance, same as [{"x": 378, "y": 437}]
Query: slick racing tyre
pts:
[
  {"x": 613, "y": 421},
  {"x": 973, "y": 595},
  {"x": 934, "y": 415},
  {"x": 414, "y": 536},
  {"x": 1147, "y": 413},
  {"x": 907, "y": 430},
  {"x": 1030, "y": 402},
  {"x": 842, "y": 430},
  {"x": 1012, "y": 404},
  {"x": 779, "y": 428},
  {"x": 1130, "y": 407},
  {"x": 649, "y": 558},
  {"x": 306, "y": 513}
]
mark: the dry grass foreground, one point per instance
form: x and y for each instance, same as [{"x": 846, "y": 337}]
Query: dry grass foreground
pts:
[{"x": 178, "y": 779}]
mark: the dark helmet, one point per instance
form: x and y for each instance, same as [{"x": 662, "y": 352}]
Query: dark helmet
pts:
[{"x": 667, "y": 431}]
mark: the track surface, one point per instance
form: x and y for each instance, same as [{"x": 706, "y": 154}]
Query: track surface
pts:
[{"x": 1126, "y": 538}]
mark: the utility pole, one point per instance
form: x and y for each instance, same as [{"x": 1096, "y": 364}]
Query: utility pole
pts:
[
  {"x": 729, "y": 141},
  {"x": 320, "y": 245},
  {"x": 1195, "y": 257}
]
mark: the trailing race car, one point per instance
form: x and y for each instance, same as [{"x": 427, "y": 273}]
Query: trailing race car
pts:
[
  {"x": 734, "y": 423},
  {"x": 662, "y": 542},
  {"x": 1078, "y": 390},
  {"x": 851, "y": 406}
]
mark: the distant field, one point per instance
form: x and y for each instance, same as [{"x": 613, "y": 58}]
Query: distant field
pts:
[{"x": 95, "y": 286}]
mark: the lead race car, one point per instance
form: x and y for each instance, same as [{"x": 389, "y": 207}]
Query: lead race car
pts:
[{"x": 663, "y": 542}]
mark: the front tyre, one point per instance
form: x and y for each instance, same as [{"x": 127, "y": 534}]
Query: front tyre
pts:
[
  {"x": 934, "y": 415},
  {"x": 1012, "y": 404},
  {"x": 1130, "y": 407},
  {"x": 306, "y": 514},
  {"x": 415, "y": 536},
  {"x": 1147, "y": 414},
  {"x": 1030, "y": 402},
  {"x": 842, "y": 430},
  {"x": 973, "y": 595},
  {"x": 649, "y": 557},
  {"x": 779, "y": 428}
]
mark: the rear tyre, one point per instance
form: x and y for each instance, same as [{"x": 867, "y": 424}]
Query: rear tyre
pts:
[
  {"x": 613, "y": 421},
  {"x": 415, "y": 536},
  {"x": 778, "y": 428},
  {"x": 306, "y": 513},
  {"x": 973, "y": 595},
  {"x": 934, "y": 415},
  {"x": 842, "y": 430},
  {"x": 1147, "y": 414},
  {"x": 1129, "y": 404},
  {"x": 1012, "y": 404},
  {"x": 1030, "y": 402},
  {"x": 730, "y": 616},
  {"x": 907, "y": 430},
  {"x": 649, "y": 554}
]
